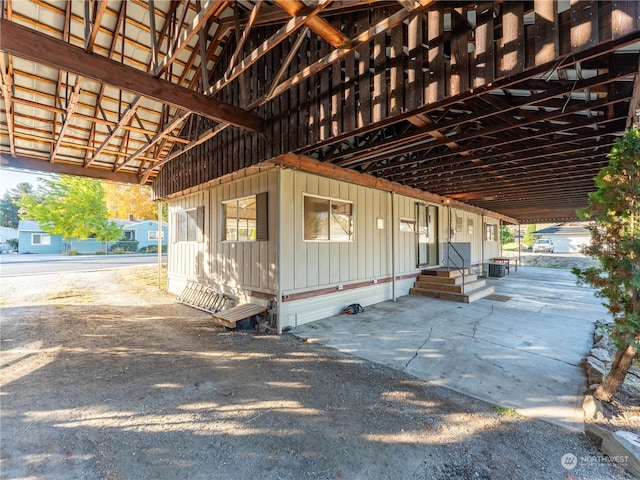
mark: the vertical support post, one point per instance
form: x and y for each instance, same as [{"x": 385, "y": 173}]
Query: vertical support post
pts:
[
  {"x": 159, "y": 244},
  {"x": 392, "y": 226}
]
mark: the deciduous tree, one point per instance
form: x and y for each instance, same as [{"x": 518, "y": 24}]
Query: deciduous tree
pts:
[
  {"x": 72, "y": 207},
  {"x": 614, "y": 212},
  {"x": 125, "y": 201},
  {"x": 528, "y": 238}
]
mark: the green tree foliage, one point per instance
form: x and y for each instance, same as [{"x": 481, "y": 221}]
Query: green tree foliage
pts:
[
  {"x": 528, "y": 238},
  {"x": 505, "y": 235},
  {"x": 73, "y": 207},
  {"x": 614, "y": 212},
  {"x": 9, "y": 209}
]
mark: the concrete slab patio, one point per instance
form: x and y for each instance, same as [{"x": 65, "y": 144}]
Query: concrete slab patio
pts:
[{"x": 521, "y": 352}]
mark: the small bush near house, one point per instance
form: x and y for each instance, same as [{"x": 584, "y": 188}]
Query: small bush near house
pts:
[
  {"x": 152, "y": 249},
  {"x": 73, "y": 252},
  {"x": 124, "y": 246},
  {"x": 13, "y": 244}
]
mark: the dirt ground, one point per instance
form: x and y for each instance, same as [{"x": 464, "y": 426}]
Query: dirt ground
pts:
[{"x": 106, "y": 377}]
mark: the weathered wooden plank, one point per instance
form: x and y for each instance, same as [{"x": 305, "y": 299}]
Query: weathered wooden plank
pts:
[
  {"x": 314, "y": 109},
  {"x": 235, "y": 314},
  {"x": 625, "y": 17},
  {"x": 324, "y": 93},
  {"x": 511, "y": 46},
  {"x": 546, "y": 41},
  {"x": 483, "y": 59},
  {"x": 584, "y": 24},
  {"x": 278, "y": 104},
  {"x": 459, "y": 81},
  {"x": 396, "y": 71},
  {"x": 303, "y": 95},
  {"x": 337, "y": 94},
  {"x": 379, "y": 110},
  {"x": 364, "y": 76},
  {"x": 295, "y": 108},
  {"x": 435, "y": 41},
  {"x": 414, "y": 93},
  {"x": 349, "y": 91}
]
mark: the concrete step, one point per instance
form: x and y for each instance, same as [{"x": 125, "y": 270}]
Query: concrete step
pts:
[
  {"x": 444, "y": 272},
  {"x": 468, "y": 297},
  {"x": 456, "y": 280},
  {"x": 468, "y": 287}
]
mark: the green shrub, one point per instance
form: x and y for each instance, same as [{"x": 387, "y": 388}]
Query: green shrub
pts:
[{"x": 124, "y": 246}]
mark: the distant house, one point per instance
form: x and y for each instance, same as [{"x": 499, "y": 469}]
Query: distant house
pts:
[
  {"x": 566, "y": 237},
  {"x": 7, "y": 234},
  {"x": 145, "y": 233},
  {"x": 32, "y": 239}
]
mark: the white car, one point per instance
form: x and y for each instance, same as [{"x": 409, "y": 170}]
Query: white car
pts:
[{"x": 543, "y": 245}]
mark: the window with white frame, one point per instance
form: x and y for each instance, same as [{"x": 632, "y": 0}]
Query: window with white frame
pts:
[
  {"x": 407, "y": 225},
  {"x": 153, "y": 235},
  {"x": 327, "y": 219},
  {"x": 490, "y": 230},
  {"x": 188, "y": 225},
  {"x": 40, "y": 239},
  {"x": 245, "y": 219}
]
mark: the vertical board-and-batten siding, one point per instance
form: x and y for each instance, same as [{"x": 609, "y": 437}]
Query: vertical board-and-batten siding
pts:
[
  {"x": 309, "y": 265},
  {"x": 237, "y": 268}
]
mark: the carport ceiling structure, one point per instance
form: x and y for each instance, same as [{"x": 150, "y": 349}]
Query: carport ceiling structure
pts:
[{"x": 507, "y": 106}]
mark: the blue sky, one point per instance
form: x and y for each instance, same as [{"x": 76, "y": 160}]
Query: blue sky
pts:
[{"x": 9, "y": 178}]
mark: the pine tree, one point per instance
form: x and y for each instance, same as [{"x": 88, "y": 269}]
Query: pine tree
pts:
[{"x": 614, "y": 212}]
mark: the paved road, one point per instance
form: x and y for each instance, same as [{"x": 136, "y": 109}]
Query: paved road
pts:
[{"x": 12, "y": 265}]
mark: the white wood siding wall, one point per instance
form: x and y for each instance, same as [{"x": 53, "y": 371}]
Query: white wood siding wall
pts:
[
  {"x": 406, "y": 250},
  {"x": 481, "y": 250},
  {"x": 311, "y": 265},
  {"x": 240, "y": 267},
  {"x": 185, "y": 259},
  {"x": 232, "y": 267}
]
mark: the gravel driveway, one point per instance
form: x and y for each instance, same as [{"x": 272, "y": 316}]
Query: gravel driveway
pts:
[{"x": 105, "y": 377}]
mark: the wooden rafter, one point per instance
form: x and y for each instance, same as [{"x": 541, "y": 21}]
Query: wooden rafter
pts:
[
  {"x": 125, "y": 120},
  {"x": 170, "y": 126},
  {"x": 325, "y": 30},
  {"x": 26, "y": 43},
  {"x": 282, "y": 34},
  {"x": 208, "y": 9},
  {"x": 41, "y": 165},
  {"x": 71, "y": 108},
  {"x": 100, "y": 9},
  {"x": 6, "y": 88},
  {"x": 335, "y": 56}
]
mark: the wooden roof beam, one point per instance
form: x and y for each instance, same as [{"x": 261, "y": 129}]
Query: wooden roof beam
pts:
[
  {"x": 319, "y": 25},
  {"x": 40, "y": 48},
  {"x": 198, "y": 22},
  {"x": 32, "y": 164},
  {"x": 387, "y": 24},
  {"x": 71, "y": 108},
  {"x": 283, "y": 33},
  {"x": 100, "y": 9},
  {"x": 6, "y": 88}
]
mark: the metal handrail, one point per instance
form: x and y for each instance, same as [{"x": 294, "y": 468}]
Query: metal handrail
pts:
[{"x": 450, "y": 260}]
